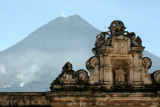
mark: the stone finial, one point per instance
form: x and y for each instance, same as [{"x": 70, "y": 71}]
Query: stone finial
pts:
[
  {"x": 67, "y": 67},
  {"x": 117, "y": 28}
]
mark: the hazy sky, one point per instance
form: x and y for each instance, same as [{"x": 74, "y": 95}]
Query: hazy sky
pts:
[{"x": 18, "y": 18}]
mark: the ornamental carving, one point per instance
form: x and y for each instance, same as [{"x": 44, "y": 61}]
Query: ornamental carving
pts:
[
  {"x": 82, "y": 76},
  {"x": 117, "y": 60},
  {"x": 156, "y": 76},
  {"x": 117, "y": 28},
  {"x": 146, "y": 62},
  {"x": 92, "y": 63},
  {"x": 23, "y": 99},
  {"x": 70, "y": 78},
  {"x": 120, "y": 78}
]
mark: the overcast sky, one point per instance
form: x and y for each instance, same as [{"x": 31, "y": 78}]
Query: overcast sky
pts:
[{"x": 18, "y": 18}]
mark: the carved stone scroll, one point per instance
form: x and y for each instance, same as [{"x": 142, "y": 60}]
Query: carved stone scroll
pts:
[
  {"x": 147, "y": 62},
  {"x": 91, "y": 64},
  {"x": 82, "y": 76},
  {"x": 156, "y": 76}
]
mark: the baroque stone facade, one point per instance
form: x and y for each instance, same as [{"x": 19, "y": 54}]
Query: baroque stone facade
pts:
[
  {"x": 117, "y": 64},
  {"x": 118, "y": 77},
  {"x": 118, "y": 59}
]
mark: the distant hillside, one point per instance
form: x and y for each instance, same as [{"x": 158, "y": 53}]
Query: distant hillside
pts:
[{"x": 34, "y": 62}]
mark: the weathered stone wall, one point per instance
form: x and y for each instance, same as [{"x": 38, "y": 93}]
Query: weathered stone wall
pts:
[
  {"x": 23, "y": 99},
  {"x": 105, "y": 99},
  {"x": 83, "y": 99}
]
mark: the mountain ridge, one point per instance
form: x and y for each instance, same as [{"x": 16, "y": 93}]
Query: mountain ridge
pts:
[{"x": 54, "y": 27}]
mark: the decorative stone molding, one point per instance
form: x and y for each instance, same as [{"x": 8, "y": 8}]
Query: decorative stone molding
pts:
[{"x": 69, "y": 79}]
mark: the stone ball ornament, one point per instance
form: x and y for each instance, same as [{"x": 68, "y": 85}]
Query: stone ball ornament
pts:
[
  {"x": 147, "y": 63},
  {"x": 117, "y": 28},
  {"x": 117, "y": 23}
]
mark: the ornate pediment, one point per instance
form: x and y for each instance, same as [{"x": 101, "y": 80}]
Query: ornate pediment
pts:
[
  {"x": 69, "y": 79},
  {"x": 117, "y": 62}
]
